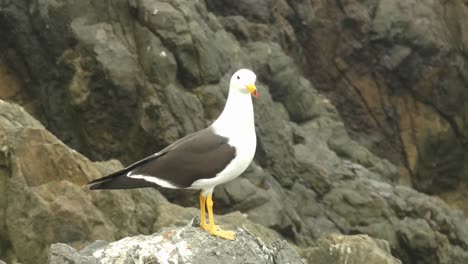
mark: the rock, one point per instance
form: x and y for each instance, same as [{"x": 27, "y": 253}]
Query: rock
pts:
[
  {"x": 355, "y": 98},
  {"x": 353, "y": 53},
  {"x": 60, "y": 208},
  {"x": 411, "y": 222},
  {"x": 11, "y": 88},
  {"x": 186, "y": 244},
  {"x": 63, "y": 253},
  {"x": 396, "y": 80},
  {"x": 181, "y": 25},
  {"x": 44, "y": 199},
  {"x": 158, "y": 63},
  {"x": 336, "y": 248}
]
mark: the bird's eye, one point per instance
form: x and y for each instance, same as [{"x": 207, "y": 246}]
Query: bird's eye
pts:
[{"x": 238, "y": 78}]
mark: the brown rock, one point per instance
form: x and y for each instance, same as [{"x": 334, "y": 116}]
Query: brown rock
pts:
[{"x": 44, "y": 201}]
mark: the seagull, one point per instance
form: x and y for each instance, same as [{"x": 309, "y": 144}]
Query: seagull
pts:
[{"x": 202, "y": 160}]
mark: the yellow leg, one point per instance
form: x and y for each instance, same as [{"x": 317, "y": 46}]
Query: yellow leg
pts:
[
  {"x": 212, "y": 228},
  {"x": 202, "y": 211},
  {"x": 203, "y": 224}
]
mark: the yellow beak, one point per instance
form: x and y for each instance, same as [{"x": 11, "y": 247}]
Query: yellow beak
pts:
[{"x": 252, "y": 89}]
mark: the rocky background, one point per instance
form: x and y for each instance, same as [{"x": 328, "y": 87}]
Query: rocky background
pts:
[{"x": 362, "y": 123}]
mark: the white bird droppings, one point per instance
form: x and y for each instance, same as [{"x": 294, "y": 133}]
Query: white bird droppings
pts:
[{"x": 156, "y": 249}]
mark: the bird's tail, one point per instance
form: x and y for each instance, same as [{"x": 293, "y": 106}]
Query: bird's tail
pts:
[{"x": 118, "y": 180}]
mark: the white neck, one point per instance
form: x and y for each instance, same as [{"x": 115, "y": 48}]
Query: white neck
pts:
[{"x": 237, "y": 116}]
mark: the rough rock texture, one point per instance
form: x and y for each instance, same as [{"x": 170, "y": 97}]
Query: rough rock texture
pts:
[
  {"x": 179, "y": 245},
  {"x": 151, "y": 72},
  {"x": 122, "y": 79},
  {"x": 335, "y": 248},
  {"x": 43, "y": 200},
  {"x": 397, "y": 72}
]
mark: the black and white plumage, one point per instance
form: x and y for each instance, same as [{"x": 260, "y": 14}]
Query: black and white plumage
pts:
[{"x": 202, "y": 160}]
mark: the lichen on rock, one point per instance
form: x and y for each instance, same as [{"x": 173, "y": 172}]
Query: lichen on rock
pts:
[{"x": 185, "y": 244}]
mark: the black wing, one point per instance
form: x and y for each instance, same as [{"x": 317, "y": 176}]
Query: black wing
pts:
[{"x": 200, "y": 155}]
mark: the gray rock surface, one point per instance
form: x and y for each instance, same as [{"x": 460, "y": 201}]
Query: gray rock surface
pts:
[
  {"x": 339, "y": 81},
  {"x": 336, "y": 248},
  {"x": 396, "y": 71},
  {"x": 418, "y": 227},
  {"x": 179, "y": 245}
]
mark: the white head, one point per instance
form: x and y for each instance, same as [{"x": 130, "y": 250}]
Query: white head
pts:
[{"x": 243, "y": 81}]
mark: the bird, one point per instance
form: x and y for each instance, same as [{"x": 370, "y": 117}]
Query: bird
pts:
[{"x": 201, "y": 160}]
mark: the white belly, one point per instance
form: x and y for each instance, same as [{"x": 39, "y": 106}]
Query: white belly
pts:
[{"x": 245, "y": 150}]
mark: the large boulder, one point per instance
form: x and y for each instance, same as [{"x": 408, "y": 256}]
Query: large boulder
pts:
[
  {"x": 181, "y": 244},
  {"x": 187, "y": 244},
  {"x": 44, "y": 200}
]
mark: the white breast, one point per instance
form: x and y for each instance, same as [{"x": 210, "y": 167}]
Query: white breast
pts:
[
  {"x": 245, "y": 145},
  {"x": 236, "y": 123}
]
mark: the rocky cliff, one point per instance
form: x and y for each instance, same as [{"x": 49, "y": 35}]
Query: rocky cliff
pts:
[{"x": 362, "y": 102}]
